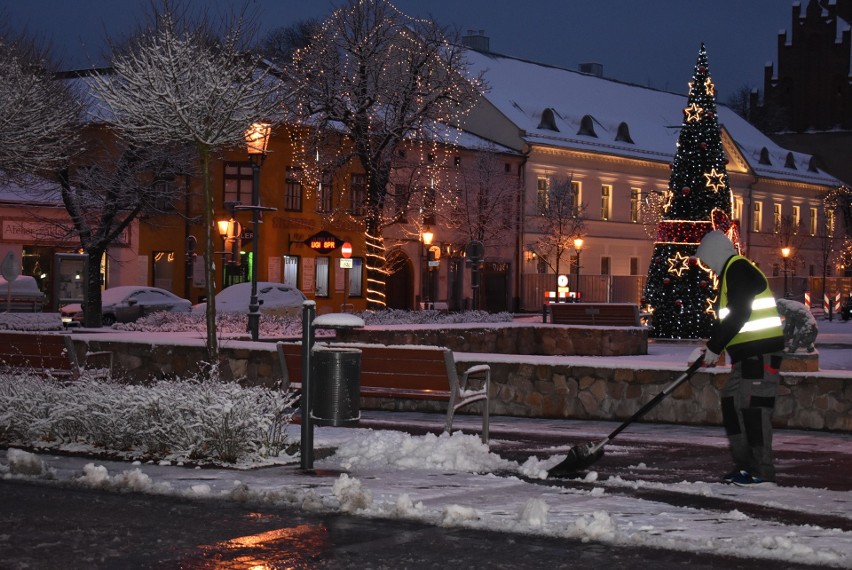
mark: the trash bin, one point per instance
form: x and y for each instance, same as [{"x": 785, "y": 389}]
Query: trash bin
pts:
[{"x": 335, "y": 386}]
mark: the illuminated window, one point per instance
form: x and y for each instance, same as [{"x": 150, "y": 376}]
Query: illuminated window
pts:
[
  {"x": 542, "y": 197},
  {"x": 325, "y": 193},
  {"x": 575, "y": 189},
  {"x": 797, "y": 218},
  {"x": 355, "y": 277},
  {"x": 635, "y": 201},
  {"x": 238, "y": 178},
  {"x": 291, "y": 270},
  {"x": 829, "y": 222},
  {"x": 606, "y": 201},
  {"x": 776, "y": 218},
  {"x": 813, "y": 224},
  {"x": 738, "y": 209},
  {"x": 758, "y": 215},
  {"x": 322, "y": 276},
  {"x": 293, "y": 190}
]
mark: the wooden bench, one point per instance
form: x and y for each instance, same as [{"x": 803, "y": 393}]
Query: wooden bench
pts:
[
  {"x": 595, "y": 314},
  {"x": 415, "y": 372},
  {"x": 52, "y": 354}
]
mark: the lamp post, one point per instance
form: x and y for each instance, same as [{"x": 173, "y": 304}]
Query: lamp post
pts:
[
  {"x": 578, "y": 247},
  {"x": 785, "y": 253},
  {"x": 426, "y": 236},
  {"x": 230, "y": 230},
  {"x": 257, "y": 139}
]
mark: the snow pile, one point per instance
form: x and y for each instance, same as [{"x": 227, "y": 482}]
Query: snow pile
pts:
[
  {"x": 23, "y": 463},
  {"x": 399, "y": 450},
  {"x": 175, "y": 420}
]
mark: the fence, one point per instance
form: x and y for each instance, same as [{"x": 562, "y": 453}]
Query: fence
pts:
[{"x": 628, "y": 288}]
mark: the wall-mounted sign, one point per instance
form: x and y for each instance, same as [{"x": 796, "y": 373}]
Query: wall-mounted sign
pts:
[{"x": 323, "y": 242}]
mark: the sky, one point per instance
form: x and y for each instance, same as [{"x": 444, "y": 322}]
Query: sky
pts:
[{"x": 653, "y": 43}]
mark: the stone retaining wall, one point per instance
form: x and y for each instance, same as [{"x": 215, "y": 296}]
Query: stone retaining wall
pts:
[
  {"x": 809, "y": 400},
  {"x": 512, "y": 338}
]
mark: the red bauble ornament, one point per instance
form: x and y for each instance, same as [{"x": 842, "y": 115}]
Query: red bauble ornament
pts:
[
  {"x": 678, "y": 303},
  {"x": 708, "y": 115},
  {"x": 667, "y": 281},
  {"x": 702, "y": 69},
  {"x": 685, "y": 190},
  {"x": 702, "y": 284},
  {"x": 658, "y": 260},
  {"x": 693, "y": 260},
  {"x": 703, "y": 146}
]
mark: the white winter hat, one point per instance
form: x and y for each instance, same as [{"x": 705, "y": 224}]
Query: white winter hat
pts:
[{"x": 715, "y": 250}]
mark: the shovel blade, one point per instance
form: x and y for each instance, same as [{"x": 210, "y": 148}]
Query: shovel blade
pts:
[{"x": 579, "y": 457}]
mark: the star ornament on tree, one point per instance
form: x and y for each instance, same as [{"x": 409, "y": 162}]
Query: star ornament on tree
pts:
[
  {"x": 714, "y": 180},
  {"x": 711, "y": 302},
  {"x": 693, "y": 113},
  {"x": 709, "y": 88},
  {"x": 678, "y": 264}
]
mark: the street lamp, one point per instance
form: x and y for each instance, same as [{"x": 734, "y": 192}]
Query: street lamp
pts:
[
  {"x": 257, "y": 139},
  {"x": 426, "y": 237},
  {"x": 230, "y": 230},
  {"x": 785, "y": 253},
  {"x": 578, "y": 247}
]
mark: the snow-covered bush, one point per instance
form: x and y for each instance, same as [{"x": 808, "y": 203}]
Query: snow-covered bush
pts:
[
  {"x": 276, "y": 326},
  {"x": 178, "y": 420}
]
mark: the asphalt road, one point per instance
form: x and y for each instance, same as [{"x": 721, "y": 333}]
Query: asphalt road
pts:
[{"x": 46, "y": 526}]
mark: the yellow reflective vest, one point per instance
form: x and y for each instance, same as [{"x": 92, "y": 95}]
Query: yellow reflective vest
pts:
[{"x": 763, "y": 325}]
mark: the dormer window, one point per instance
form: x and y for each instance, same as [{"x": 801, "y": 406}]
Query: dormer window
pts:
[
  {"x": 791, "y": 161},
  {"x": 764, "y": 157},
  {"x": 623, "y": 133},
  {"x": 587, "y": 126},
  {"x": 548, "y": 120},
  {"x": 812, "y": 164}
]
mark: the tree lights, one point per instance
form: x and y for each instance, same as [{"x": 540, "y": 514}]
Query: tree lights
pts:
[{"x": 679, "y": 291}]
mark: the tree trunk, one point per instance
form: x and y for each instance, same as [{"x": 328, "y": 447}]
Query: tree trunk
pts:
[
  {"x": 209, "y": 257},
  {"x": 375, "y": 261},
  {"x": 92, "y": 316}
]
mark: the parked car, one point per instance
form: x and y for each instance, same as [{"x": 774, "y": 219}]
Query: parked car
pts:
[
  {"x": 126, "y": 303},
  {"x": 273, "y": 298}
]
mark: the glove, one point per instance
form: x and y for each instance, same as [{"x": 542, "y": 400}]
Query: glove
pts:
[
  {"x": 696, "y": 354},
  {"x": 710, "y": 358}
]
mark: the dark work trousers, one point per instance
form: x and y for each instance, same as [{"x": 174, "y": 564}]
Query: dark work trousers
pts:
[{"x": 748, "y": 400}]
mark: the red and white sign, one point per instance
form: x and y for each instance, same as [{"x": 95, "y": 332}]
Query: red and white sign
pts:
[{"x": 346, "y": 250}]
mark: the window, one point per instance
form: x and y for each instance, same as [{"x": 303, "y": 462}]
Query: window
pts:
[
  {"x": 322, "y": 276},
  {"x": 163, "y": 270},
  {"x": 400, "y": 201},
  {"x": 635, "y": 201},
  {"x": 634, "y": 266},
  {"x": 293, "y": 190},
  {"x": 575, "y": 189},
  {"x": 291, "y": 270},
  {"x": 605, "y": 264},
  {"x": 758, "y": 213},
  {"x": 797, "y": 218},
  {"x": 429, "y": 200},
  {"x": 355, "y": 277},
  {"x": 829, "y": 222},
  {"x": 738, "y": 208},
  {"x": 238, "y": 178},
  {"x": 813, "y": 224},
  {"x": 606, "y": 201},
  {"x": 542, "y": 197},
  {"x": 325, "y": 193},
  {"x": 358, "y": 194},
  {"x": 776, "y": 218}
]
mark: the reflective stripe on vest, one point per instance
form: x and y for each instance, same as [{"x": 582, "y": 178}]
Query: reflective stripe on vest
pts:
[{"x": 764, "y": 321}]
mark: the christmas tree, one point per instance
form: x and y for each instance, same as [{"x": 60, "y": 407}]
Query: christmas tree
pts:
[{"x": 680, "y": 292}]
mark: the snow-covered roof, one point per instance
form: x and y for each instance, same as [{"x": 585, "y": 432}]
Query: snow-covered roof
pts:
[{"x": 557, "y": 107}]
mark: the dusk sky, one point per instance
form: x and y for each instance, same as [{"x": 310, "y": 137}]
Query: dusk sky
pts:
[{"x": 652, "y": 43}]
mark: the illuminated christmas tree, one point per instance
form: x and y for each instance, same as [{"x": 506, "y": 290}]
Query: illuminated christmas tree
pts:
[{"x": 680, "y": 292}]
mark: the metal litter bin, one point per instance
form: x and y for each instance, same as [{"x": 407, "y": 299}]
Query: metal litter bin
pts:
[{"x": 335, "y": 386}]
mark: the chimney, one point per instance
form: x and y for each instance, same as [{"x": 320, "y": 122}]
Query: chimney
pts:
[
  {"x": 477, "y": 40},
  {"x": 595, "y": 69}
]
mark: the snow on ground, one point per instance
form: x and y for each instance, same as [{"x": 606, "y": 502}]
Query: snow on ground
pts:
[{"x": 450, "y": 481}]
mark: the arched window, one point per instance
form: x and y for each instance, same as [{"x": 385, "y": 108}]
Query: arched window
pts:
[
  {"x": 791, "y": 161},
  {"x": 764, "y": 156},
  {"x": 587, "y": 126},
  {"x": 623, "y": 133},
  {"x": 548, "y": 120}
]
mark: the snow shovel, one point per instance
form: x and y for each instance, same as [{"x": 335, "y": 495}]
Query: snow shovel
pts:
[{"x": 581, "y": 456}]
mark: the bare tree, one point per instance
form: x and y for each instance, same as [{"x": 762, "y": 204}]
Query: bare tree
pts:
[
  {"x": 280, "y": 44},
  {"x": 38, "y": 116},
  {"x": 181, "y": 81},
  {"x": 105, "y": 191},
  {"x": 486, "y": 200},
  {"x": 560, "y": 220},
  {"x": 381, "y": 80}
]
